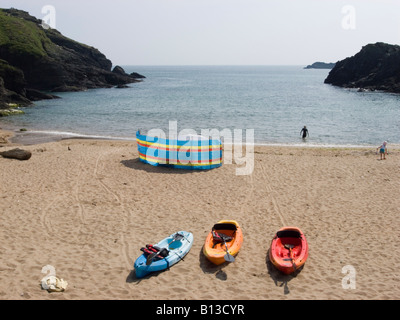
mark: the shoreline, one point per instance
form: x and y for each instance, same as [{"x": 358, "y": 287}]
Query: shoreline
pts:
[
  {"x": 34, "y": 137},
  {"x": 5, "y": 137}
]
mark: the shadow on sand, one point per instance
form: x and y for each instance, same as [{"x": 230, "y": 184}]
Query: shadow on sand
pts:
[
  {"x": 205, "y": 265},
  {"x": 136, "y": 164},
  {"x": 131, "y": 278},
  {"x": 208, "y": 267},
  {"x": 280, "y": 279}
]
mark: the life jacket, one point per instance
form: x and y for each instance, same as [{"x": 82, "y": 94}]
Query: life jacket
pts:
[
  {"x": 149, "y": 249},
  {"x": 220, "y": 237}
]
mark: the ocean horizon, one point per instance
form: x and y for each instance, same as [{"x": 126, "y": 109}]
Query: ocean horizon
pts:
[{"x": 275, "y": 101}]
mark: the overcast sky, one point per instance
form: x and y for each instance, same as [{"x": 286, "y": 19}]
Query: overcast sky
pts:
[{"x": 222, "y": 32}]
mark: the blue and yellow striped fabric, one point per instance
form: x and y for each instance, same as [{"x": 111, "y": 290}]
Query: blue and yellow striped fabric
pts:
[{"x": 182, "y": 154}]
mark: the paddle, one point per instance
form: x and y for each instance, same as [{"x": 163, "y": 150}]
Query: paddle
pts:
[
  {"x": 221, "y": 237},
  {"x": 228, "y": 257},
  {"x": 176, "y": 237},
  {"x": 290, "y": 247}
]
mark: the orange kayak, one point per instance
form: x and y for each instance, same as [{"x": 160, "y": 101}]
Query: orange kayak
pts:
[
  {"x": 289, "y": 250},
  {"x": 223, "y": 242}
]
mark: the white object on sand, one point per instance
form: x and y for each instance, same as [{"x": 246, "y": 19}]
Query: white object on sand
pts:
[{"x": 54, "y": 284}]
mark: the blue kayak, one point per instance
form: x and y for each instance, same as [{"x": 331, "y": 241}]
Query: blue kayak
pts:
[{"x": 175, "y": 247}]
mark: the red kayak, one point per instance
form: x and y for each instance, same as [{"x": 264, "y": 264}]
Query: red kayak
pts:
[{"x": 289, "y": 250}]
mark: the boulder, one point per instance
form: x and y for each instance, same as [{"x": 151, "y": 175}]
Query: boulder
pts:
[
  {"x": 35, "y": 95},
  {"x": 136, "y": 75},
  {"x": 17, "y": 154},
  {"x": 118, "y": 70}
]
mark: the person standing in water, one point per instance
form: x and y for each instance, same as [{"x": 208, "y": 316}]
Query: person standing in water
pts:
[{"x": 304, "y": 132}]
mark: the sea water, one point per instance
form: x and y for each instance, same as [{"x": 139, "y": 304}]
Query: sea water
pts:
[{"x": 275, "y": 101}]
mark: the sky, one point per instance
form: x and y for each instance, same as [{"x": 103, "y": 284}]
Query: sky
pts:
[{"x": 221, "y": 32}]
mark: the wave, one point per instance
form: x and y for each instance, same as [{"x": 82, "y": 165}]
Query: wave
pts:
[
  {"x": 66, "y": 134},
  {"x": 315, "y": 145},
  {"x": 57, "y": 135}
]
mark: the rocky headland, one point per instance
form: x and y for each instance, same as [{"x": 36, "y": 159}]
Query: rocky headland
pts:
[
  {"x": 320, "y": 65},
  {"x": 37, "y": 61},
  {"x": 375, "y": 67}
]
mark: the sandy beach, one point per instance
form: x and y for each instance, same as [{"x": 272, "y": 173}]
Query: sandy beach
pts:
[{"x": 86, "y": 207}]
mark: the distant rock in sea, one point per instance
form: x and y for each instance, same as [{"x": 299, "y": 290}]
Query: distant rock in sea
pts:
[
  {"x": 320, "y": 65},
  {"x": 34, "y": 59},
  {"x": 375, "y": 67}
]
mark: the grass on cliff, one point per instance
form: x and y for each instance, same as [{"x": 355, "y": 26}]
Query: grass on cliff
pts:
[{"x": 22, "y": 37}]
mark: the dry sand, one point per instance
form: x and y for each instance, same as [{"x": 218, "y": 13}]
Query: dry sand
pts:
[{"x": 87, "y": 212}]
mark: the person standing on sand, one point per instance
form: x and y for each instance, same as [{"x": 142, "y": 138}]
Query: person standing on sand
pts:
[
  {"x": 383, "y": 150},
  {"x": 304, "y": 132}
]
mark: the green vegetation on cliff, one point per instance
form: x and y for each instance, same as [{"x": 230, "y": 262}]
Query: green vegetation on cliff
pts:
[{"x": 22, "y": 37}]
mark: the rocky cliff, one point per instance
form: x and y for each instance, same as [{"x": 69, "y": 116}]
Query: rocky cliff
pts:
[
  {"x": 375, "y": 67},
  {"x": 34, "y": 59}
]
